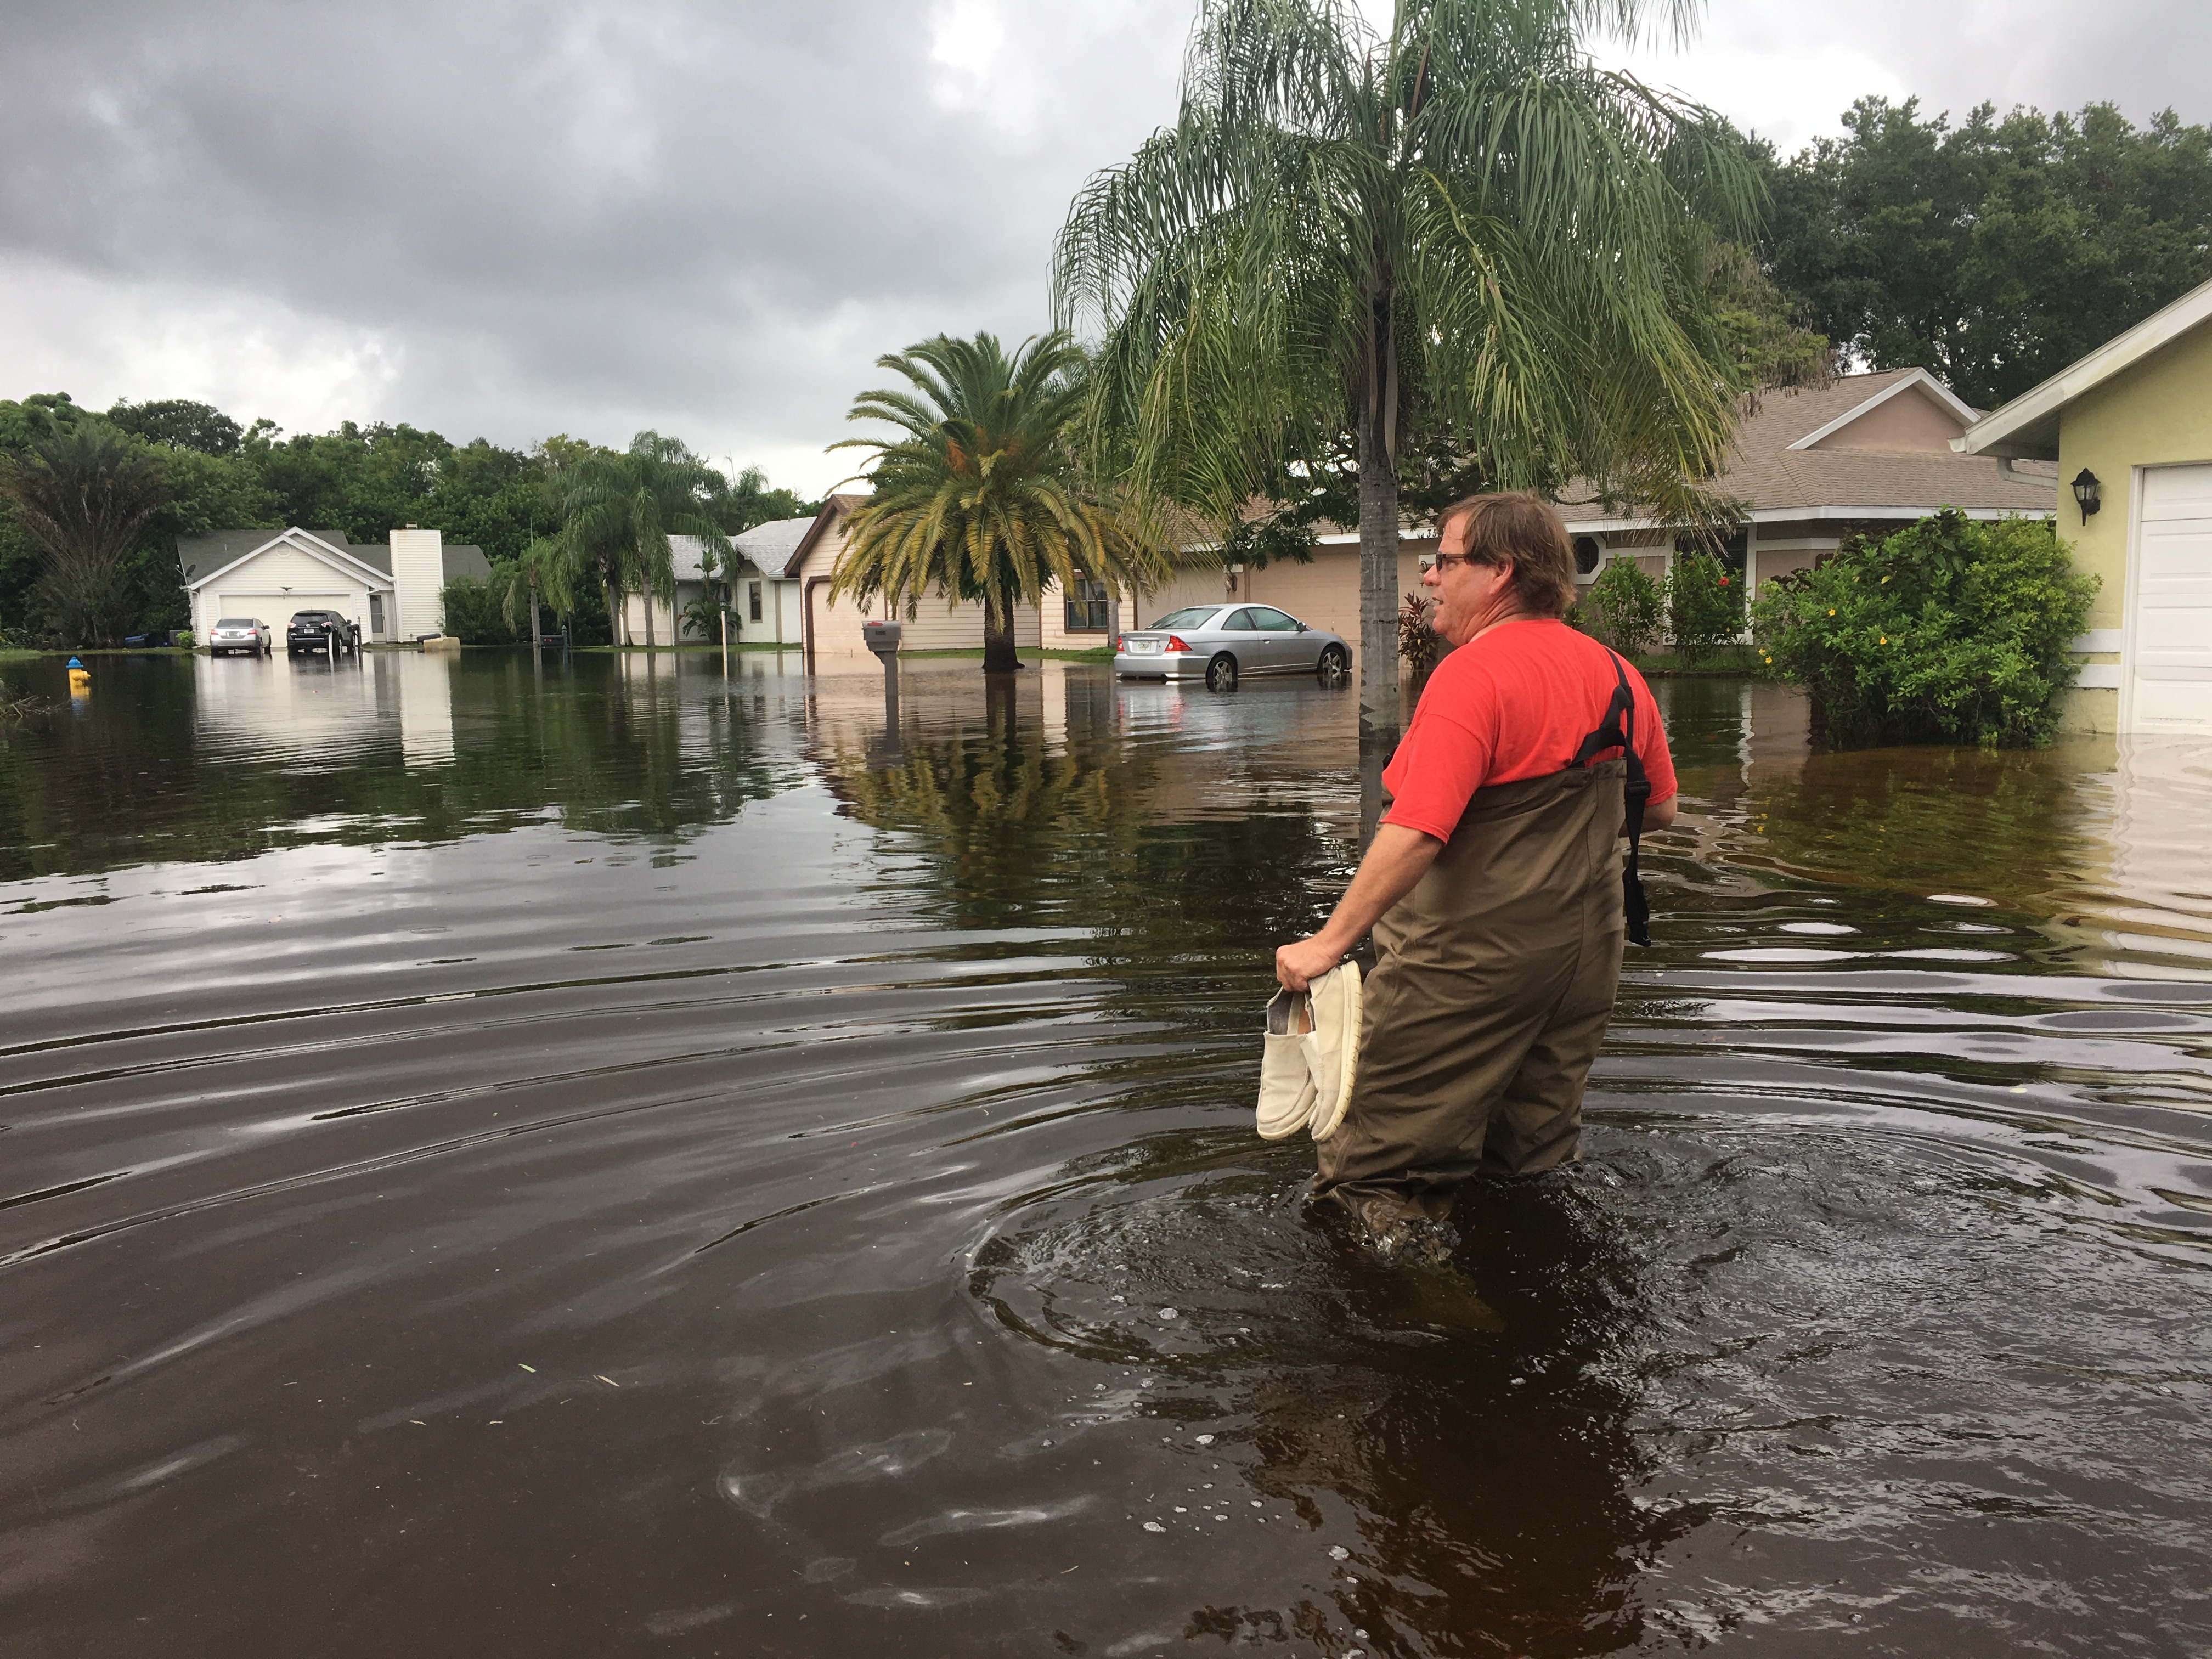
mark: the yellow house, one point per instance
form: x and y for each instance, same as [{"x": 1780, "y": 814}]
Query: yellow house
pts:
[{"x": 2130, "y": 427}]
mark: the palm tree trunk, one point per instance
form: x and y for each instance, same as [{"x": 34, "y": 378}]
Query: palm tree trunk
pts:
[
  {"x": 617, "y": 621},
  {"x": 648, "y": 601},
  {"x": 999, "y": 635},
  {"x": 1379, "y": 529}
]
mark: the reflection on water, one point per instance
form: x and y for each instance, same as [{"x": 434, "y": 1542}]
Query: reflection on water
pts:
[{"x": 608, "y": 1156}]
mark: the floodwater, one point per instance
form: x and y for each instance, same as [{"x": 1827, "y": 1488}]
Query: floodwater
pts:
[{"x": 631, "y": 1161}]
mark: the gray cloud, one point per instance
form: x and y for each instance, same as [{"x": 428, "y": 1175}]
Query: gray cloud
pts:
[{"x": 513, "y": 219}]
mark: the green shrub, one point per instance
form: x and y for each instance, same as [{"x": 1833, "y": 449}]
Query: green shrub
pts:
[
  {"x": 1624, "y": 608},
  {"x": 1704, "y": 606},
  {"x": 702, "y": 618},
  {"x": 1946, "y": 631},
  {"x": 473, "y": 613}
]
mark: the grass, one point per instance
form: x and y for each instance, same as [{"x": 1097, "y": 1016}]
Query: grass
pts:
[{"x": 11, "y": 653}]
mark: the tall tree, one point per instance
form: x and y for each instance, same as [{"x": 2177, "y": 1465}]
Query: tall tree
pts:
[
  {"x": 539, "y": 576},
  {"x": 981, "y": 498},
  {"x": 82, "y": 497},
  {"x": 1456, "y": 236},
  {"x": 1995, "y": 252},
  {"x": 751, "y": 501},
  {"x": 619, "y": 510},
  {"x": 180, "y": 423}
]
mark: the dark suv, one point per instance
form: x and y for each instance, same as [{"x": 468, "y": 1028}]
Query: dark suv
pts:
[{"x": 312, "y": 630}]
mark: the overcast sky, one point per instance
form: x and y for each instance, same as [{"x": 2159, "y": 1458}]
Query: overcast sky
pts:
[{"x": 513, "y": 219}]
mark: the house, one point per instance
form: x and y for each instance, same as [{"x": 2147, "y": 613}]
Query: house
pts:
[
  {"x": 2130, "y": 427},
  {"x": 765, "y": 603},
  {"x": 829, "y": 631},
  {"x": 392, "y": 589},
  {"x": 1864, "y": 454},
  {"x": 646, "y": 619},
  {"x": 767, "y": 600}
]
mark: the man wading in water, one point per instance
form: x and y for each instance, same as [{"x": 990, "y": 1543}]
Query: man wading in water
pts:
[{"x": 1493, "y": 887}]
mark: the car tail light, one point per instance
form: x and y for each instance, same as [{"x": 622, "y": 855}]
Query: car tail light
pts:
[
  {"x": 1175, "y": 644},
  {"x": 1120, "y": 642}
]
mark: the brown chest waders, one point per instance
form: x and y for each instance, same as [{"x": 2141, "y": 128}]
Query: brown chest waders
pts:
[{"x": 1494, "y": 979}]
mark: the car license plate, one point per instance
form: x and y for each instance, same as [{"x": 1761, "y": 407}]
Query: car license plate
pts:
[{"x": 1144, "y": 648}]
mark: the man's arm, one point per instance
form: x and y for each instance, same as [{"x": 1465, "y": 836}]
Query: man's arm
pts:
[
  {"x": 1398, "y": 858},
  {"x": 1657, "y": 814}
]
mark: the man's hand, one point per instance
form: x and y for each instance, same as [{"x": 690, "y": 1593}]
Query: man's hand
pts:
[
  {"x": 1298, "y": 964},
  {"x": 1398, "y": 860}
]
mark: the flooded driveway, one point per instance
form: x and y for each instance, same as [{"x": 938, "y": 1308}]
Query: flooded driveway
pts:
[{"x": 630, "y": 1161}]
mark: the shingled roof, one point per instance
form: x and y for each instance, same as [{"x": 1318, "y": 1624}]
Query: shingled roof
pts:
[
  {"x": 1768, "y": 474},
  {"x": 769, "y": 546},
  {"x": 1796, "y": 455}
]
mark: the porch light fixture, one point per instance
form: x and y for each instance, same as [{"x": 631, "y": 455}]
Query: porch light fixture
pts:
[{"x": 2085, "y": 492}]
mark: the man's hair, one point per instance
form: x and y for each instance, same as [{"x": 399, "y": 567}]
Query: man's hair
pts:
[{"x": 1515, "y": 526}]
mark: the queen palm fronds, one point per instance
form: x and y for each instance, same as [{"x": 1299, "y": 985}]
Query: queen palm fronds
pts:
[
  {"x": 542, "y": 576},
  {"x": 981, "y": 498},
  {"x": 619, "y": 510},
  {"x": 1455, "y": 236}
]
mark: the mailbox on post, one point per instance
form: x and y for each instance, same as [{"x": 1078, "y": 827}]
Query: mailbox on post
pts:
[{"x": 883, "y": 639}]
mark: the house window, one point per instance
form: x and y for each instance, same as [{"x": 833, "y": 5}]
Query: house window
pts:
[
  {"x": 753, "y": 599},
  {"x": 1734, "y": 553},
  {"x": 1087, "y": 606},
  {"x": 1589, "y": 554}
]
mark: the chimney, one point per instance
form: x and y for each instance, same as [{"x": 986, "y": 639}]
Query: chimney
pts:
[{"x": 418, "y": 575}]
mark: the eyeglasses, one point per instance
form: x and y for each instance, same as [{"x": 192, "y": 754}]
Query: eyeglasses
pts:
[{"x": 1444, "y": 561}]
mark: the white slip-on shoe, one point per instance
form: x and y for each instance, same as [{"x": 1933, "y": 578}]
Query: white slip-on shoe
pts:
[
  {"x": 1286, "y": 1084},
  {"x": 1332, "y": 1051}
]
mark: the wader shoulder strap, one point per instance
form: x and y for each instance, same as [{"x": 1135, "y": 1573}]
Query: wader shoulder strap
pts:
[{"x": 1617, "y": 730}]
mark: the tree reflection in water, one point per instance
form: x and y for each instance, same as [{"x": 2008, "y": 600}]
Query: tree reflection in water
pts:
[
  {"x": 193, "y": 759},
  {"x": 1081, "y": 827}
]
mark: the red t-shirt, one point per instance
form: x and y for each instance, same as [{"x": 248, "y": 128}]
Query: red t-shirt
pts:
[{"x": 1514, "y": 703}]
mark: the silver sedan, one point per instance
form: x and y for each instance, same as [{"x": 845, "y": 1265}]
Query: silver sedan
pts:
[
  {"x": 247, "y": 633},
  {"x": 1220, "y": 643}
]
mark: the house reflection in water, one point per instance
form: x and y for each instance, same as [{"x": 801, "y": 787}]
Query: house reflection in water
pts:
[
  {"x": 310, "y": 710},
  {"x": 2094, "y": 842},
  {"x": 2157, "y": 898}
]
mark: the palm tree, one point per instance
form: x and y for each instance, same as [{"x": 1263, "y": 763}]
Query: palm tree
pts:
[
  {"x": 83, "y": 497},
  {"x": 541, "y": 576},
  {"x": 1354, "y": 249},
  {"x": 981, "y": 498},
  {"x": 619, "y": 510}
]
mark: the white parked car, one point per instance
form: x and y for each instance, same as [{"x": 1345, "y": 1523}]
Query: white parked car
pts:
[
  {"x": 1221, "y": 643},
  {"x": 247, "y": 633}
]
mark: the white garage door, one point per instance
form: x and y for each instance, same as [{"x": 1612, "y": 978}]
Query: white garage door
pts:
[
  {"x": 277, "y": 609},
  {"x": 2170, "y": 668}
]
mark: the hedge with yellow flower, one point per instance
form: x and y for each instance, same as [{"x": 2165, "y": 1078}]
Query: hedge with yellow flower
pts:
[{"x": 1950, "y": 630}]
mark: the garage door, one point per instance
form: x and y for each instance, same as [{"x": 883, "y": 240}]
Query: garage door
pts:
[
  {"x": 2170, "y": 668},
  {"x": 277, "y": 609}
]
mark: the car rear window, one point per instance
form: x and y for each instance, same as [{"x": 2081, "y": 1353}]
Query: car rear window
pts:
[
  {"x": 1189, "y": 617},
  {"x": 309, "y": 616},
  {"x": 235, "y": 622}
]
